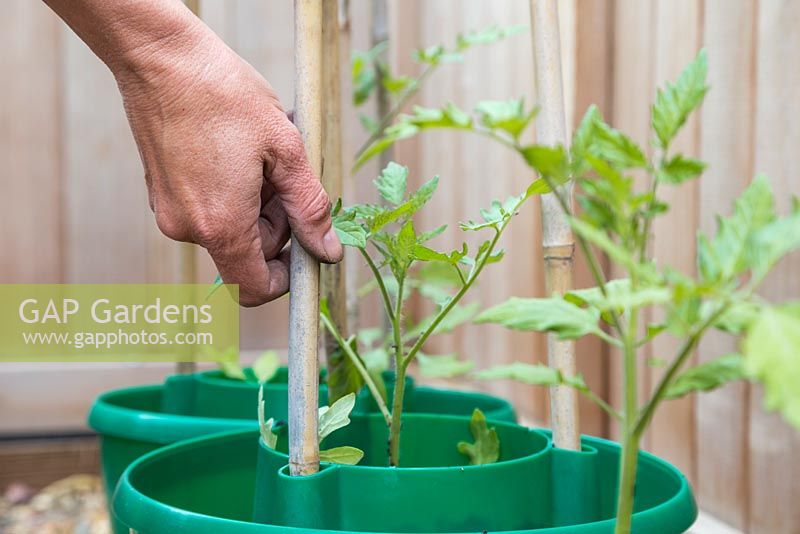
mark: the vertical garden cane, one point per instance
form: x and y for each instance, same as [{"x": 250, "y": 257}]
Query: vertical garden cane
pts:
[
  {"x": 332, "y": 277},
  {"x": 558, "y": 246},
  {"x": 304, "y": 269},
  {"x": 187, "y": 260}
]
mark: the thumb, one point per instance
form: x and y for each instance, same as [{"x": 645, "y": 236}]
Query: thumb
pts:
[{"x": 304, "y": 200}]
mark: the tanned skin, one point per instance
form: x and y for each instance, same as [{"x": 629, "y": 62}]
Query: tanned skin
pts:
[{"x": 224, "y": 166}]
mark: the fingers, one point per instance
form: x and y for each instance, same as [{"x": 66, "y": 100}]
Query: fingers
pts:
[
  {"x": 241, "y": 261},
  {"x": 303, "y": 199}
]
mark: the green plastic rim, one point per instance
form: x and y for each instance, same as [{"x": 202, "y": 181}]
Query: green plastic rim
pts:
[
  {"x": 139, "y": 414},
  {"x": 137, "y": 420},
  {"x": 206, "y": 485},
  {"x": 135, "y": 414}
]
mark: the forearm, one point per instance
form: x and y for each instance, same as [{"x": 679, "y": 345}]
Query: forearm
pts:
[{"x": 132, "y": 34}]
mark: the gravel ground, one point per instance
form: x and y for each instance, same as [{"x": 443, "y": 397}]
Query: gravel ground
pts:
[{"x": 74, "y": 505}]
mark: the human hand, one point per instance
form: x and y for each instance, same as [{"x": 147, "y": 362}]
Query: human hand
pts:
[{"x": 225, "y": 168}]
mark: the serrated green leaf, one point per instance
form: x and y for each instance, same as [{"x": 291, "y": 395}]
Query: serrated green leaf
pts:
[
  {"x": 349, "y": 232},
  {"x": 543, "y": 315},
  {"x": 406, "y": 243},
  {"x": 458, "y": 315},
  {"x": 392, "y": 134},
  {"x": 615, "y": 252},
  {"x": 678, "y": 169},
  {"x": 457, "y": 117},
  {"x": 369, "y": 124},
  {"x": 265, "y": 367},
  {"x": 619, "y": 296},
  {"x": 488, "y": 35},
  {"x": 677, "y": 101},
  {"x": 427, "y": 236},
  {"x": 771, "y": 350},
  {"x": 527, "y": 373},
  {"x": 391, "y": 184},
  {"x": 486, "y": 448},
  {"x": 228, "y": 361},
  {"x": 363, "y": 72},
  {"x": 422, "y": 195},
  {"x": 443, "y": 366},
  {"x": 345, "y": 455},
  {"x": 735, "y": 248},
  {"x": 265, "y": 426},
  {"x": 431, "y": 55},
  {"x": 772, "y": 242},
  {"x": 336, "y": 416},
  {"x": 450, "y": 116},
  {"x": 736, "y": 319},
  {"x": 507, "y": 115},
  {"x": 424, "y": 253},
  {"x": 582, "y": 138},
  {"x": 616, "y": 147},
  {"x": 707, "y": 376},
  {"x": 550, "y": 162},
  {"x": 494, "y": 216},
  {"x": 397, "y": 84},
  {"x": 537, "y": 187}
]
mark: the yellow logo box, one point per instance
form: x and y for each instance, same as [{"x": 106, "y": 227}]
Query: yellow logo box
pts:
[{"x": 117, "y": 322}]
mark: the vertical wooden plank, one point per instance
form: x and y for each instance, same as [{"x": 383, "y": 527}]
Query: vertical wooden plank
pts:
[
  {"x": 262, "y": 34},
  {"x": 774, "y": 462},
  {"x": 108, "y": 223},
  {"x": 726, "y": 143},
  {"x": 473, "y": 172},
  {"x": 633, "y": 92},
  {"x": 678, "y": 41},
  {"x": 356, "y": 35},
  {"x": 30, "y": 156},
  {"x": 592, "y": 84}
]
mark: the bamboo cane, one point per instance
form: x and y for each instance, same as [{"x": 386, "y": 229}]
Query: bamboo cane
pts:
[
  {"x": 333, "y": 277},
  {"x": 187, "y": 259},
  {"x": 304, "y": 270},
  {"x": 558, "y": 246}
]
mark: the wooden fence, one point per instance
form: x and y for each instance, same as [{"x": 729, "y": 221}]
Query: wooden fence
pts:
[{"x": 75, "y": 206}]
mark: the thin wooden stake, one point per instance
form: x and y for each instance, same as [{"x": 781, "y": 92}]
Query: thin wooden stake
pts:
[
  {"x": 558, "y": 246},
  {"x": 332, "y": 276},
  {"x": 304, "y": 269},
  {"x": 187, "y": 259}
]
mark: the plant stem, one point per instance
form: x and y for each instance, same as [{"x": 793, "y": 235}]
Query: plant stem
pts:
[
  {"x": 398, "y": 107},
  {"x": 397, "y": 415},
  {"x": 588, "y": 253},
  {"x": 672, "y": 371},
  {"x": 627, "y": 483},
  {"x": 399, "y": 380},
  {"x": 649, "y": 220},
  {"x": 387, "y": 301},
  {"x": 458, "y": 296},
  {"x": 396, "y": 326},
  {"x": 630, "y": 444},
  {"x": 359, "y": 365}
]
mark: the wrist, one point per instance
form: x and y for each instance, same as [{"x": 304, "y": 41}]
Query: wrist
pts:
[{"x": 151, "y": 45}]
